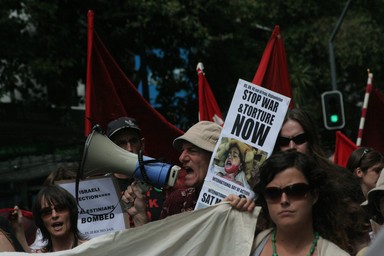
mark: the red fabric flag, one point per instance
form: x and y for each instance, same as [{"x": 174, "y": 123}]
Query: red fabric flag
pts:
[
  {"x": 373, "y": 135},
  {"x": 272, "y": 72},
  {"x": 343, "y": 149},
  {"x": 208, "y": 108},
  {"x": 110, "y": 94}
]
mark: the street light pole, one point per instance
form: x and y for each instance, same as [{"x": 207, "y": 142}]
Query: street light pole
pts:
[{"x": 330, "y": 45}]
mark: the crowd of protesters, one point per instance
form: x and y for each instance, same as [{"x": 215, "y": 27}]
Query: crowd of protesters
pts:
[{"x": 298, "y": 184}]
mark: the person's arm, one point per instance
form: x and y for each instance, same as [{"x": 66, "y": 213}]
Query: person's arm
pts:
[
  {"x": 240, "y": 203},
  {"x": 17, "y": 225},
  {"x": 136, "y": 205},
  {"x": 5, "y": 243}
]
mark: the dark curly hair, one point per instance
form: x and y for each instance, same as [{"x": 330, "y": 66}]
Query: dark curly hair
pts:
[
  {"x": 327, "y": 212},
  {"x": 349, "y": 193}
]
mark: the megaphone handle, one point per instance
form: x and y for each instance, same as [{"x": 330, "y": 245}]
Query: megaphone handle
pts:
[
  {"x": 126, "y": 206},
  {"x": 144, "y": 187}
]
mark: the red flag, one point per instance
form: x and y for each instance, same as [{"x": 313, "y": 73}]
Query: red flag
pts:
[
  {"x": 110, "y": 94},
  {"x": 343, "y": 149},
  {"x": 272, "y": 72},
  {"x": 208, "y": 108},
  {"x": 373, "y": 135}
]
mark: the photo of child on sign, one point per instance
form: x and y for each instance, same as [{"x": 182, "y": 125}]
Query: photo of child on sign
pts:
[{"x": 238, "y": 162}]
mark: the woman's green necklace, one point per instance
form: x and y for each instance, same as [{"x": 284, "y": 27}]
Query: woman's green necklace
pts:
[{"x": 311, "y": 251}]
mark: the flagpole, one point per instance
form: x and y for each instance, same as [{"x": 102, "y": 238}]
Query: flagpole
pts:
[
  {"x": 87, "y": 125},
  {"x": 200, "y": 70},
  {"x": 208, "y": 108},
  {"x": 368, "y": 91}
]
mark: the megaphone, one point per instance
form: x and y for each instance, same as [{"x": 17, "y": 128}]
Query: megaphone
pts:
[{"x": 102, "y": 156}]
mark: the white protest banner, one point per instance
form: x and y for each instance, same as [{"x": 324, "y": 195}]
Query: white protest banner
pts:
[
  {"x": 248, "y": 138},
  {"x": 188, "y": 233},
  {"x": 100, "y": 210}
]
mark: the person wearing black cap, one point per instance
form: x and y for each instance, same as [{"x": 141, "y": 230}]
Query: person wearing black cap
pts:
[{"x": 126, "y": 133}]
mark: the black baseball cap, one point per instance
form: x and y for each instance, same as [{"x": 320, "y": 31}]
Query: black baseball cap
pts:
[{"x": 121, "y": 123}]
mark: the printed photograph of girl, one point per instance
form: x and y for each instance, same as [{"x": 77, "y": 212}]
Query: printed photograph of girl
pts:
[{"x": 238, "y": 162}]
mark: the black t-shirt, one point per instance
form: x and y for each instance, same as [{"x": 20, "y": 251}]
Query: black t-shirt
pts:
[{"x": 155, "y": 199}]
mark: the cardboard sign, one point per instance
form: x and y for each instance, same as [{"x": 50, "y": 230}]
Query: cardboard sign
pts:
[
  {"x": 250, "y": 131},
  {"x": 99, "y": 205}
]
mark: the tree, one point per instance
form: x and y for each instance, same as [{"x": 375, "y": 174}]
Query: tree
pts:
[{"x": 171, "y": 37}]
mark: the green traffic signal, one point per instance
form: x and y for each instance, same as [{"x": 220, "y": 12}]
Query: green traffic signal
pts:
[
  {"x": 334, "y": 118},
  {"x": 333, "y": 110}
]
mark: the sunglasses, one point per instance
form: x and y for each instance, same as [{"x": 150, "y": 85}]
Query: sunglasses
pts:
[
  {"x": 366, "y": 151},
  {"x": 299, "y": 139},
  {"x": 47, "y": 211},
  {"x": 295, "y": 192}
]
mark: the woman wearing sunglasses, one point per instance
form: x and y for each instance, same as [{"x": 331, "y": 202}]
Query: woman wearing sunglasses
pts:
[
  {"x": 55, "y": 213},
  {"x": 299, "y": 133},
  {"x": 300, "y": 207},
  {"x": 366, "y": 164}
]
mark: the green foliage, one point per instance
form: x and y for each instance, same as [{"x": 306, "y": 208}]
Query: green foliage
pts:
[{"x": 44, "y": 56}]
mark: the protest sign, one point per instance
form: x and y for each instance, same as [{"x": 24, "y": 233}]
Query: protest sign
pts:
[
  {"x": 248, "y": 137},
  {"x": 100, "y": 210}
]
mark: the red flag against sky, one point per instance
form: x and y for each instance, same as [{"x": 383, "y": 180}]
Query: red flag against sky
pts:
[
  {"x": 110, "y": 94},
  {"x": 272, "y": 72},
  {"x": 343, "y": 149},
  {"x": 208, "y": 108},
  {"x": 373, "y": 135}
]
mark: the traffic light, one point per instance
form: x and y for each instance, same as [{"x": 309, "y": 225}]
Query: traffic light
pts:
[{"x": 333, "y": 110}]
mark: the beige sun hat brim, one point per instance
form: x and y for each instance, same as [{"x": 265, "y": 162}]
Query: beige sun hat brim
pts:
[{"x": 203, "y": 134}]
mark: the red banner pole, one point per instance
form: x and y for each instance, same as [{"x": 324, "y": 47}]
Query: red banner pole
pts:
[
  {"x": 368, "y": 91},
  {"x": 87, "y": 127}
]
